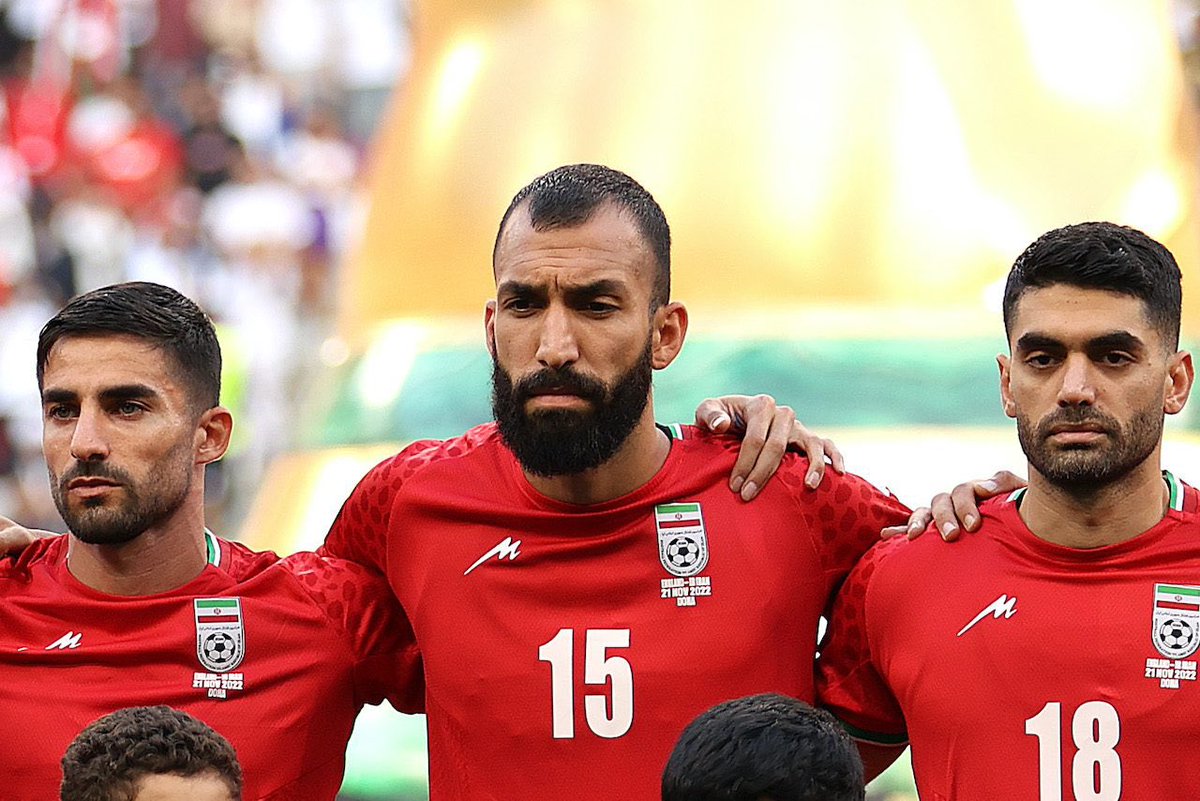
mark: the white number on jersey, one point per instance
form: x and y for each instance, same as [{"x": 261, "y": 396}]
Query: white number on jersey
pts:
[
  {"x": 1096, "y": 768},
  {"x": 608, "y": 716}
]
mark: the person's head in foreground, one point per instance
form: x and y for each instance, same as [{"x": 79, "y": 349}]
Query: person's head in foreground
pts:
[
  {"x": 581, "y": 319},
  {"x": 150, "y": 753},
  {"x": 1092, "y": 317},
  {"x": 763, "y": 748}
]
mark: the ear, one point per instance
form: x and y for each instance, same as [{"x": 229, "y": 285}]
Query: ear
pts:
[
  {"x": 212, "y": 435},
  {"x": 1179, "y": 382},
  {"x": 489, "y": 326},
  {"x": 1006, "y": 398},
  {"x": 670, "y": 327}
]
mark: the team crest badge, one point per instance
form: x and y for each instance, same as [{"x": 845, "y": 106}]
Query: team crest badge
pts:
[
  {"x": 1176, "y": 632},
  {"x": 682, "y": 543},
  {"x": 220, "y": 636}
]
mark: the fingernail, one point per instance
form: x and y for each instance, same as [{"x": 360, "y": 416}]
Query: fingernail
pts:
[
  {"x": 717, "y": 420},
  {"x": 968, "y": 520},
  {"x": 988, "y": 486},
  {"x": 948, "y": 529},
  {"x": 736, "y": 483},
  {"x": 749, "y": 491},
  {"x": 812, "y": 480}
]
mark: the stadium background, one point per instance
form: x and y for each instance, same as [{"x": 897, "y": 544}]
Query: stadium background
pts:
[{"x": 847, "y": 185}]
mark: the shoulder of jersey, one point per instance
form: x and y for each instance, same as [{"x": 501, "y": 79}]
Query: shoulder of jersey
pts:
[
  {"x": 44, "y": 551},
  {"x": 701, "y": 442},
  {"x": 418, "y": 455}
]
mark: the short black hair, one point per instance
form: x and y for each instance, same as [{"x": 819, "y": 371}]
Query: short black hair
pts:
[
  {"x": 764, "y": 747},
  {"x": 1102, "y": 255},
  {"x": 110, "y": 756},
  {"x": 153, "y": 312},
  {"x": 569, "y": 196}
]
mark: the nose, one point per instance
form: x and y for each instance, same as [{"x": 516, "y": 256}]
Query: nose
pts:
[
  {"x": 1078, "y": 382},
  {"x": 557, "y": 345},
  {"x": 88, "y": 443}
]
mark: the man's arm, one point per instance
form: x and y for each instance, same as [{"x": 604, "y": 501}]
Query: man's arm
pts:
[{"x": 768, "y": 430}]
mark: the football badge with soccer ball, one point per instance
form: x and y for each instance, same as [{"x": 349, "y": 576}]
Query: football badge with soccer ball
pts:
[
  {"x": 1175, "y": 632},
  {"x": 220, "y": 636},
  {"x": 683, "y": 551}
]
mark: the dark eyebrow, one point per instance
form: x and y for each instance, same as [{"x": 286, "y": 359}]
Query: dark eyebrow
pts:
[
  {"x": 119, "y": 393},
  {"x": 519, "y": 288},
  {"x": 1116, "y": 340},
  {"x": 604, "y": 286}
]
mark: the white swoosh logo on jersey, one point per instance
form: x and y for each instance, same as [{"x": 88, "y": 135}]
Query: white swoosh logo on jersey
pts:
[
  {"x": 505, "y": 549},
  {"x": 1002, "y": 607}
]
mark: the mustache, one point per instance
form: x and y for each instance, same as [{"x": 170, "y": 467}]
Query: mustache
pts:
[
  {"x": 1075, "y": 416},
  {"x": 565, "y": 379},
  {"x": 93, "y": 470}
]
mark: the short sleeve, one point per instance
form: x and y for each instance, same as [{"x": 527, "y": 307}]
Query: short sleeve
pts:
[{"x": 358, "y": 601}]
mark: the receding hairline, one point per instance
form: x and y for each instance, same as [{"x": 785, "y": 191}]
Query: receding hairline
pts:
[{"x": 521, "y": 212}]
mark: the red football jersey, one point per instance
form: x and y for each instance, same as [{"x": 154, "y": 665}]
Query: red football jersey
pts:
[
  {"x": 565, "y": 647},
  {"x": 278, "y": 655},
  {"x": 1023, "y": 669}
]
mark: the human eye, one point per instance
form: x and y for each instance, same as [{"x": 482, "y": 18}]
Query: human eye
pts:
[
  {"x": 129, "y": 408},
  {"x": 520, "y": 304},
  {"x": 1040, "y": 360},
  {"x": 60, "y": 411},
  {"x": 1115, "y": 358}
]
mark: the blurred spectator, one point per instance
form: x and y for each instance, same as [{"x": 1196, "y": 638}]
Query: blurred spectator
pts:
[{"x": 210, "y": 145}]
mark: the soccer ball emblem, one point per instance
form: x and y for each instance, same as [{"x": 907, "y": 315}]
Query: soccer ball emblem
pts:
[
  {"x": 1177, "y": 634},
  {"x": 219, "y": 649},
  {"x": 683, "y": 552}
]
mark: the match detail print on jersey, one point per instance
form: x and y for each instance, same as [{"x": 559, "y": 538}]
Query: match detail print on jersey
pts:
[{"x": 683, "y": 551}]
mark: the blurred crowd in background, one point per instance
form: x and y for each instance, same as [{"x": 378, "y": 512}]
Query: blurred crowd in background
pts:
[{"x": 216, "y": 146}]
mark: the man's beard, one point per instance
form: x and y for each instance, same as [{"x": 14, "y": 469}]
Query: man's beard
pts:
[
  {"x": 558, "y": 442},
  {"x": 1085, "y": 469},
  {"x": 117, "y": 520}
]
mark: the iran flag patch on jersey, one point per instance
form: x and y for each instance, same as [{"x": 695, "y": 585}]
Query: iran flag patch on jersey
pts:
[
  {"x": 1176, "y": 620},
  {"x": 682, "y": 542},
  {"x": 220, "y": 636}
]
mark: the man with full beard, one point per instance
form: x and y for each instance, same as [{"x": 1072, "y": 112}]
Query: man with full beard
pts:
[
  {"x": 581, "y": 582},
  {"x": 140, "y": 604},
  {"x": 1051, "y": 654}
]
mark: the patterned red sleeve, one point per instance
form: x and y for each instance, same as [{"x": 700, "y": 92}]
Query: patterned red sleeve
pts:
[
  {"x": 848, "y": 682},
  {"x": 360, "y": 604},
  {"x": 844, "y": 517},
  {"x": 359, "y": 532}
]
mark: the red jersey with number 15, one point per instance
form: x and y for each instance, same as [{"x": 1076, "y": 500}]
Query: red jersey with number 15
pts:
[
  {"x": 1019, "y": 669},
  {"x": 565, "y": 647}
]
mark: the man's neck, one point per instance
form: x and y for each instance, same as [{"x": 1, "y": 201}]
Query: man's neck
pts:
[
  {"x": 1111, "y": 514},
  {"x": 637, "y": 461},
  {"x": 162, "y": 558}
]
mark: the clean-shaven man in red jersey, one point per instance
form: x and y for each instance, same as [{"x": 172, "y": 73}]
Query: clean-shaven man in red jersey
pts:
[
  {"x": 580, "y": 581},
  {"x": 1051, "y": 654}
]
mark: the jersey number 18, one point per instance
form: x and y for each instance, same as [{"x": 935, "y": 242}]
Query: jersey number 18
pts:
[
  {"x": 1096, "y": 767},
  {"x": 608, "y": 715}
]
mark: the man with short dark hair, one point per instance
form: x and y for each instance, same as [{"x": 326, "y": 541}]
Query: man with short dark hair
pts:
[
  {"x": 150, "y": 753},
  {"x": 1063, "y": 665},
  {"x": 581, "y": 581},
  {"x": 141, "y": 604},
  {"x": 763, "y": 748}
]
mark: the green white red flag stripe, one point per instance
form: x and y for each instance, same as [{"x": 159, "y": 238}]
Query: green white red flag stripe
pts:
[
  {"x": 218, "y": 610},
  {"x": 1168, "y": 596},
  {"x": 678, "y": 515}
]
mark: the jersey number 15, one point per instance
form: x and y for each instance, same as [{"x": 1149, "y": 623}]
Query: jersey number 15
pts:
[{"x": 608, "y": 715}]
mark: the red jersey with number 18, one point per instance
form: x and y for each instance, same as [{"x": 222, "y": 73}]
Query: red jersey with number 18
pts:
[
  {"x": 565, "y": 647},
  {"x": 1027, "y": 670},
  {"x": 278, "y": 655}
]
